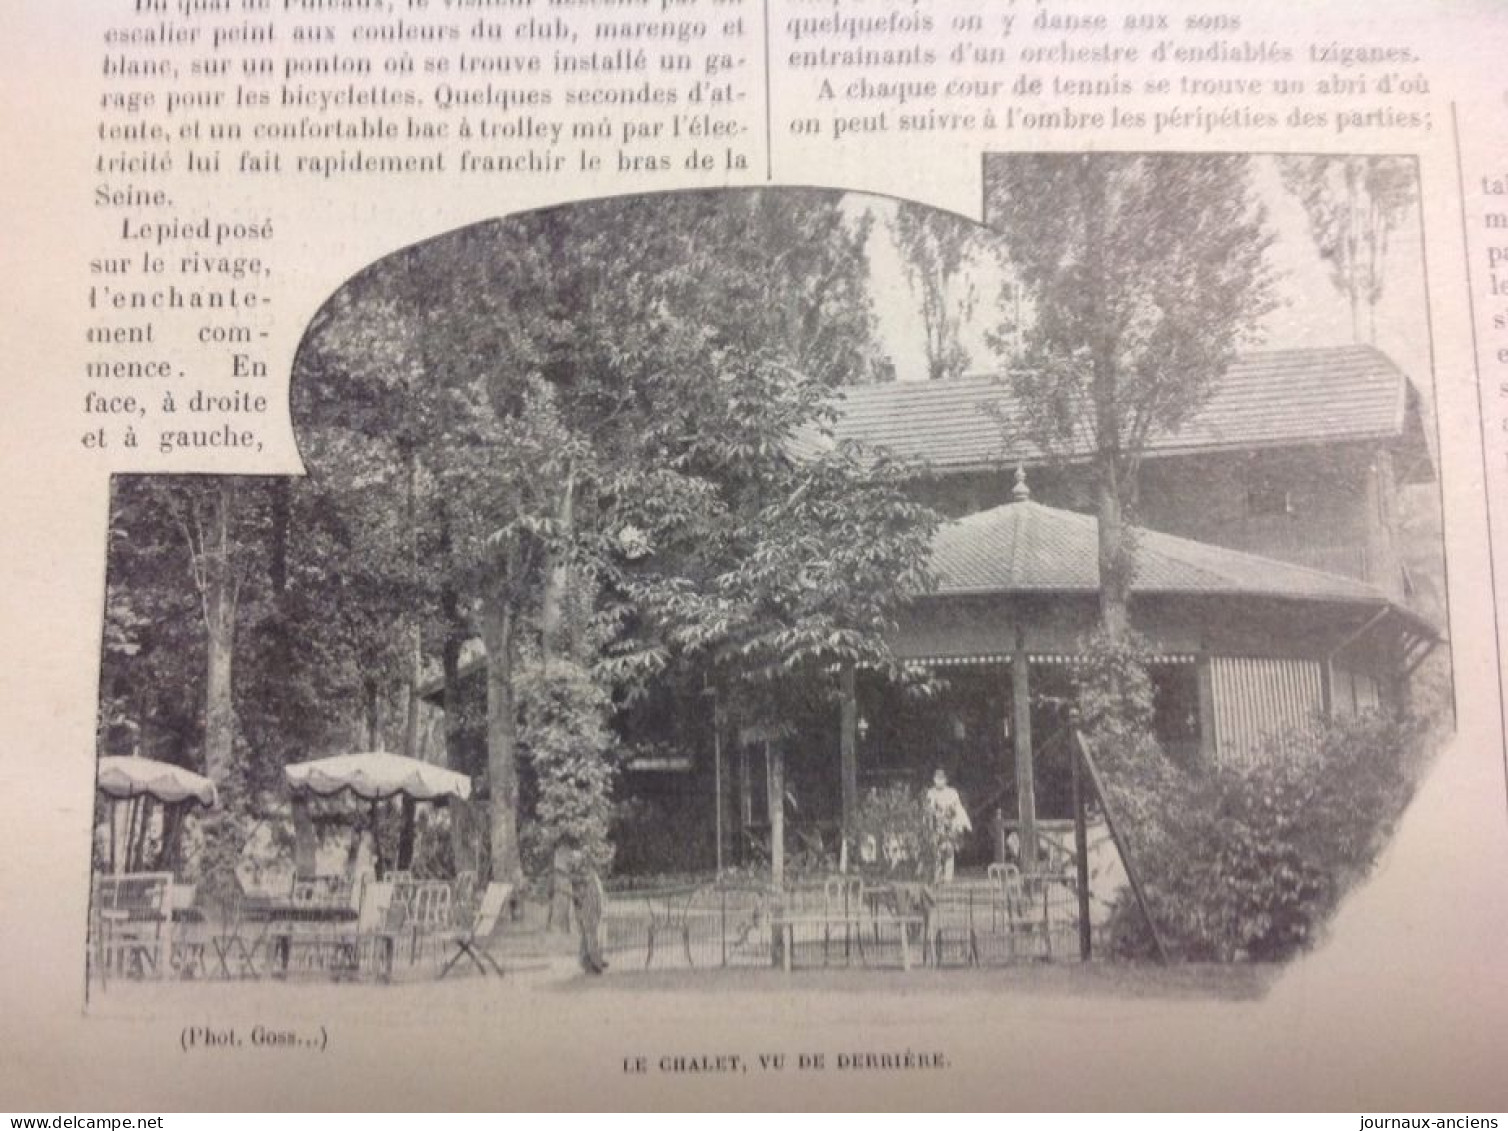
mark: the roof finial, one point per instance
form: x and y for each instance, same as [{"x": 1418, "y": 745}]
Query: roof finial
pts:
[{"x": 1020, "y": 493}]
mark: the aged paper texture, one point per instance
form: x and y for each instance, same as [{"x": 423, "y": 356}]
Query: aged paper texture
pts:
[{"x": 737, "y": 451}]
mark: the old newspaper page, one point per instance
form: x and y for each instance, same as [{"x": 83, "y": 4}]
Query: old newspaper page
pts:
[{"x": 754, "y": 553}]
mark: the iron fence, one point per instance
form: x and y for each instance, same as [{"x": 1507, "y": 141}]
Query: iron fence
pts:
[{"x": 842, "y": 922}]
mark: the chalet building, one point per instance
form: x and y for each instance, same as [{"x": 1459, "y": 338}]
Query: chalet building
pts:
[
  {"x": 1271, "y": 587},
  {"x": 1245, "y": 652},
  {"x": 1298, "y": 455}
]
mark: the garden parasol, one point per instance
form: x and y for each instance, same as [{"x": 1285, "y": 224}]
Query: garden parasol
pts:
[
  {"x": 141, "y": 781},
  {"x": 127, "y": 778},
  {"x": 375, "y": 777}
]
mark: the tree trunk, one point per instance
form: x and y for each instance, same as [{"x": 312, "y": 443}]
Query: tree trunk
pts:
[
  {"x": 1115, "y": 561},
  {"x": 453, "y": 703},
  {"x": 220, "y": 622},
  {"x": 133, "y": 810},
  {"x": 1353, "y": 246},
  {"x": 277, "y": 550},
  {"x": 219, "y": 710},
  {"x": 172, "y": 839},
  {"x": 1105, "y": 389},
  {"x": 280, "y": 626},
  {"x": 411, "y": 695},
  {"x": 415, "y": 637},
  {"x": 456, "y": 634},
  {"x": 848, "y": 748},
  {"x": 502, "y": 734},
  {"x": 374, "y": 822},
  {"x": 463, "y": 844},
  {"x": 559, "y": 915},
  {"x": 373, "y": 715},
  {"x": 406, "y": 835},
  {"x": 553, "y": 615}
]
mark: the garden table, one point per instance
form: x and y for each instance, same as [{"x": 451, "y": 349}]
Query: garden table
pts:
[{"x": 312, "y": 926}]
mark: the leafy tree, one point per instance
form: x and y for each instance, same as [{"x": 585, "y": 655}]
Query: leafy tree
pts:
[
  {"x": 368, "y": 409},
  {"x": 1250, "y": 861},
  {"x": 490, "y": 420},
  {"x": 182, "y": 591},
  {"x": 1354, "y": 204},
  {"x": 422, "y": 389},
  {"x": 207, "y": 514},
  {"x": 937, "y": 251},
  {"x": 152, "y": 663},
  {"x": 1146, "y": 274},
  {"x": 770, "y": 592},
  {"x": 641, "y": 387}
]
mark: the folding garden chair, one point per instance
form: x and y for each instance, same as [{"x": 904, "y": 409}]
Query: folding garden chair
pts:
[{"x": 471, "y": 943}]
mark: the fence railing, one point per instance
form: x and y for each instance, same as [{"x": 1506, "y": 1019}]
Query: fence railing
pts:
[{"x": 843, "y": 922}]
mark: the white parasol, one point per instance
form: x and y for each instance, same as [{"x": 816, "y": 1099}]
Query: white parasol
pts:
[
  {"x": 127, "y": 778},
  {"x": 376, "y": 776}
]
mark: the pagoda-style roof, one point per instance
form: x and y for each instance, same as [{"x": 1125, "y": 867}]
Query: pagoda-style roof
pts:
[
  {"x": 1271, "y": 399},
  {"x": 1024, "y": 548}
]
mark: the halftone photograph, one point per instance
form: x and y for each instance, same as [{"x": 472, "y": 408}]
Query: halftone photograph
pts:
[{"x": 785, "y": 590}]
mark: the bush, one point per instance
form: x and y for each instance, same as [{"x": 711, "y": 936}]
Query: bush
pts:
[
  {"x": 657, "y": 837},
  {"x": 564, "y": 735},
  {"x": 1250, "y": 862},
  {"x": 891, "y": 833}
]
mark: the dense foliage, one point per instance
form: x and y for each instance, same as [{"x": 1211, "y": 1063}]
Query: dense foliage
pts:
[
  {"x": 1146, "y": 273},
  {"x": 1239, "y": 861},
  {"x": 590, "y": 438},
  {"x": 564, "y": 735},
  {"x": 1250, "y": 862}
]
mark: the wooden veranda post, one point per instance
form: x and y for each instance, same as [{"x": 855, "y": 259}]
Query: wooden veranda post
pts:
[
  {"x": 775, "y": 783},
  {"x": 1021, "y": 733},
  {"x": 848, "y": 747},
  {"x": 710, "y": 695},
  {"x": 717, "y": 781},
  {"x": 1209, "y": 739},
  {"x": 1080, "y": 852}
]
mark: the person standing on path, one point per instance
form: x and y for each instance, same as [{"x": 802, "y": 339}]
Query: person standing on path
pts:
[
  {"x": 587, "y": 898},
  {"x": 950, "y": 824}
]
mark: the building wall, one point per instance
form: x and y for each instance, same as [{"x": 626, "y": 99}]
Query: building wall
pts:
[
  {"x": 1268, "y": 665},
  {"x": 1333, "y": 508},
  {"x": 1311, "y": 506}
]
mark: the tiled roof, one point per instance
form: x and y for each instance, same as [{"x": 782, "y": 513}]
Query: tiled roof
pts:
[
  {"x": 1025, "y": 547},
  {"x": 1269, "y": 399}
]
